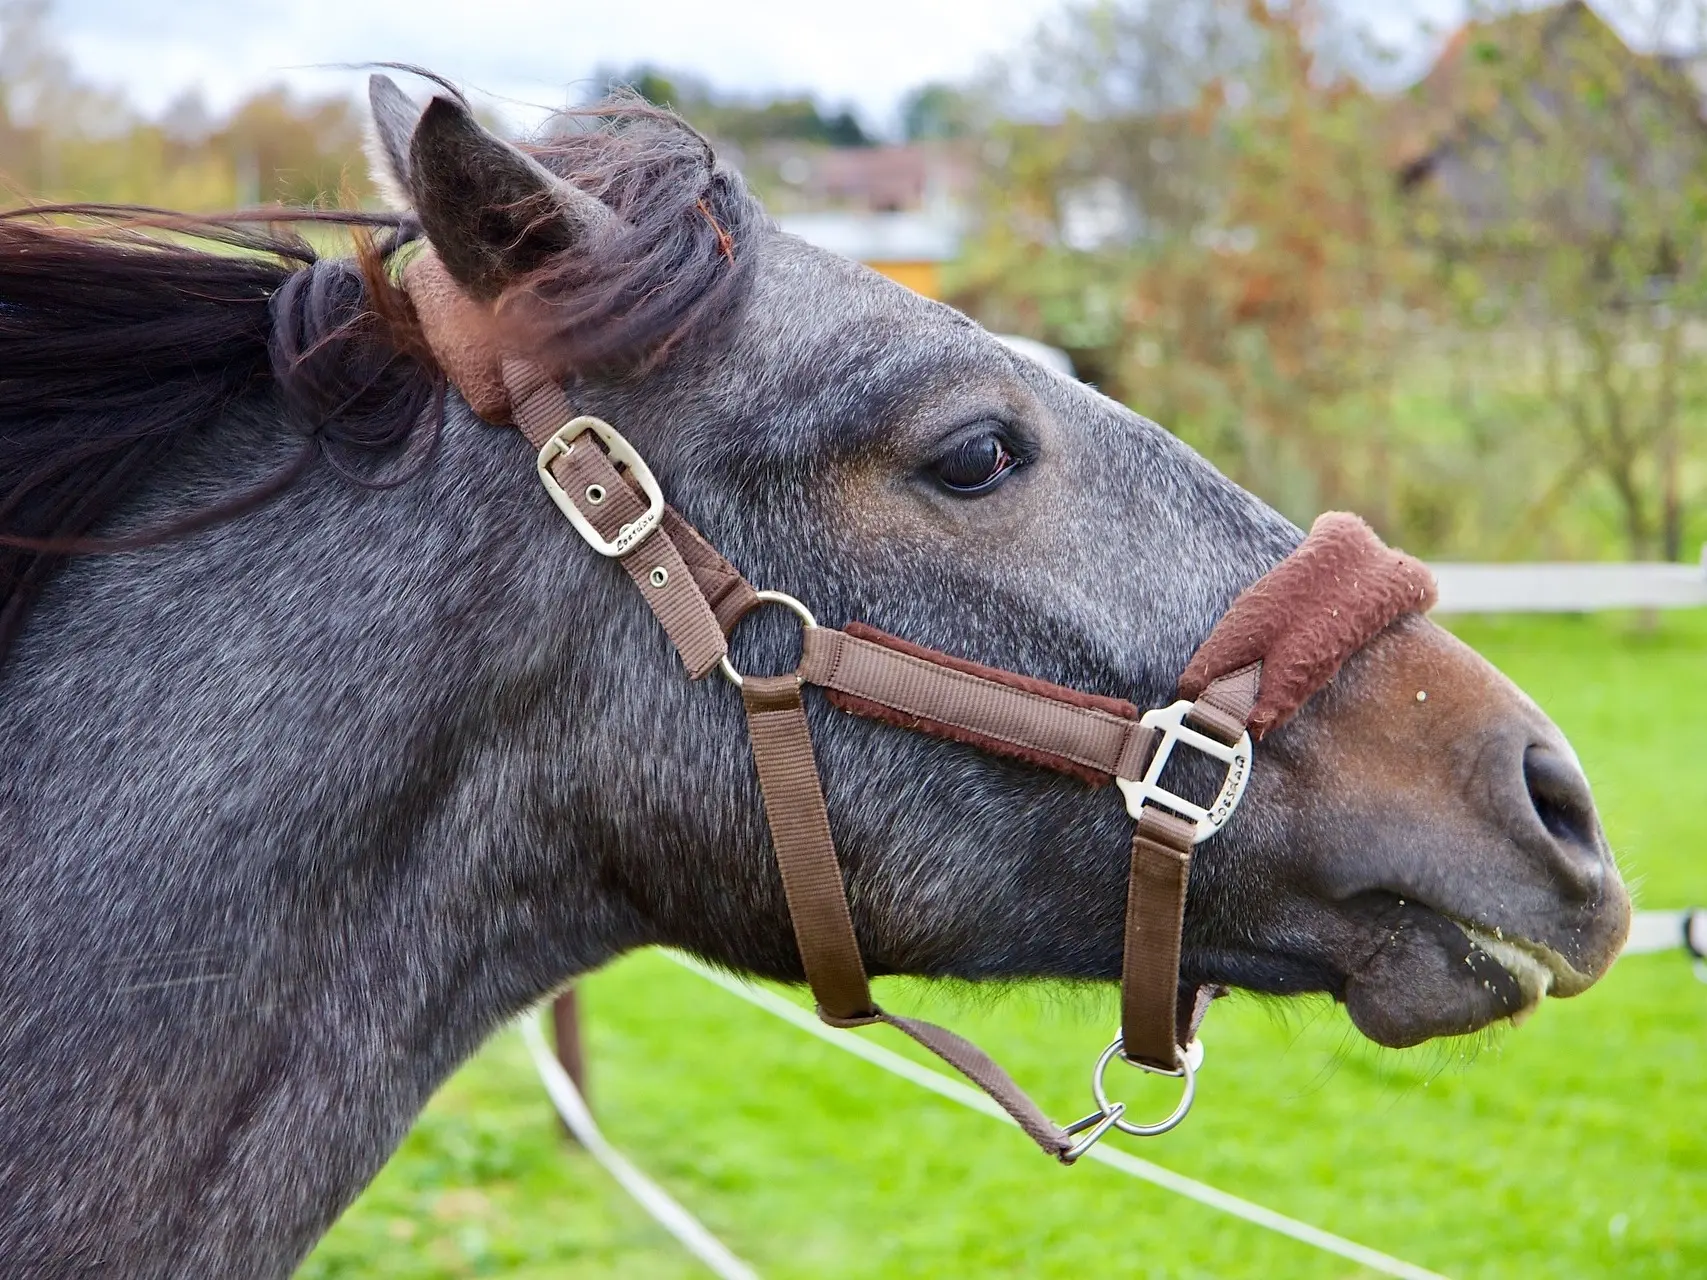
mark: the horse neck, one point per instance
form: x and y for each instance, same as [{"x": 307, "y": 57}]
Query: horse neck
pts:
[{"x": 271, "y": 851}]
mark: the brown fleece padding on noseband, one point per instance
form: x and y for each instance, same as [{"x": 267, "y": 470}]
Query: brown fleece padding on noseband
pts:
[
  {"x": 1042, "y": 688},
  {"x": 1312, "y": 611}
]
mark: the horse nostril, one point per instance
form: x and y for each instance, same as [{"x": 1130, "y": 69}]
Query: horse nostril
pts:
[{"x": 1561, "y": 798}]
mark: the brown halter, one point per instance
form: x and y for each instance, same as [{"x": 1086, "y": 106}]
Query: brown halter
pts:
[{"x": 1282, "y": 640}]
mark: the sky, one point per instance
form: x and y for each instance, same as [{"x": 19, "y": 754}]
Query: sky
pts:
[{"x": 533, "y": 55}]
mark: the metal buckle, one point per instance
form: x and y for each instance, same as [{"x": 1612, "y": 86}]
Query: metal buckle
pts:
[
  {"x": 1112, "y": 1115},
  {"x": 1149, "y": 790},
  {"x": 620, "y": 451}
]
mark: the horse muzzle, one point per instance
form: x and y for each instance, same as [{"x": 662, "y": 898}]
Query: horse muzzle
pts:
[{"x": 1468, "y": 870}]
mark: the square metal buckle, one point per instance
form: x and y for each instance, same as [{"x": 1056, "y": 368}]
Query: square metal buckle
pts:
[
  {"x": 620, "y": 451},
  {"x": 1149, "y": 790}
]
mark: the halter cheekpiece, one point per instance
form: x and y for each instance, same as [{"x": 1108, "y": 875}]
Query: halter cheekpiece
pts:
[{"x": 1282, "y": 640}]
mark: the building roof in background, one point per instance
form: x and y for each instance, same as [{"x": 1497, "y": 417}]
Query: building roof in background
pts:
[
  {"x": 1452, "y": 91},
  {"x": 934, "y": 176},
  {"x": 889, "y": 179},
  {"x": 1465, "y": 84}
]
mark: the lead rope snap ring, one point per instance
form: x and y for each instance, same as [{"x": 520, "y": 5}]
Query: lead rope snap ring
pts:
[{"x": 1113, "y": 1114}]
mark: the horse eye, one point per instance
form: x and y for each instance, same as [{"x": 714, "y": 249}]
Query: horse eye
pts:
[{"x": 976, "y": 465}]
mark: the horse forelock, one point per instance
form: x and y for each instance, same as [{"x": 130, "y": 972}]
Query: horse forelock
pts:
[{"x": 674, "y": 261}]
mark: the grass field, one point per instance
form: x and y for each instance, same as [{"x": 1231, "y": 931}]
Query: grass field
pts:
[{"x": 1576, "y": 1146}]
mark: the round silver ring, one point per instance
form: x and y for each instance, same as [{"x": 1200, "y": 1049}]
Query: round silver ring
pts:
[
  {"x": 769, "y": 597},
  {"x": 1186, "y": 1070}
]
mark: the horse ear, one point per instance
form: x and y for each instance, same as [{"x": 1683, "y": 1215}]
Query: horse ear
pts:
[
  {"x": 492, "y": 212},
  {"x": 391, "y": 120}
]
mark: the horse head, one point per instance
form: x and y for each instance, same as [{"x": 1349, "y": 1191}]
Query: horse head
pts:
[{"x": 1419, "y": 842}]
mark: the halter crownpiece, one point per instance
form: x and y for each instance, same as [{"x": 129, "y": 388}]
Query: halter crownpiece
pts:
[{"x": 1281, "y": 641}]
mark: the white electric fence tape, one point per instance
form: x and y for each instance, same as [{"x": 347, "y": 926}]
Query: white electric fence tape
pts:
[
  {"x": 967, "y": 1096},
  {"x": 651, "y": 1197}
]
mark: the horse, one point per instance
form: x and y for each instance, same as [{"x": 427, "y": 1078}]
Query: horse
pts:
[{"x": 329, "y": 748}]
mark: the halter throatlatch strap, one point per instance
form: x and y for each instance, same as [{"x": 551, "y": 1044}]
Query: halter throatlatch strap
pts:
[
  {"x": 698, "y": 595},
  {"x": 818, "y": 903}
]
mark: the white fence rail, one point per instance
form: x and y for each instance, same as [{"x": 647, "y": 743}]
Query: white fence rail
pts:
[
  {"x": 1569, "y": 588},
  {"x": 1652, "y": 931},
  {"x": 665, "y": 1210}
]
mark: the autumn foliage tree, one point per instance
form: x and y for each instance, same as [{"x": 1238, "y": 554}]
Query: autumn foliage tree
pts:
[
  {"x": 1475, "y": 309},
  {"x": 1250, "y": 281},
  {"x": 1272, "y": 326},
  {"x": 61, "y": 139}
]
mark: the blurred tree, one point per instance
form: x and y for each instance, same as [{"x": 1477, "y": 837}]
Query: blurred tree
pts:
[
  {"x": 744, "y": 121},
  {"x": 938, "y": 112},
  {"x": 660, "y": 89},
  {"x": 61, "y": 139},
  {"x": 40, "y": 100},
  {"x": 1559, "y": 179},
  {"x": 1211, "y": 211},
  {"x": 294, "y": 152}
]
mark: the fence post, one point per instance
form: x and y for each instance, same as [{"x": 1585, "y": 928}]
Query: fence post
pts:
[{"x": 566, "y": 1026}]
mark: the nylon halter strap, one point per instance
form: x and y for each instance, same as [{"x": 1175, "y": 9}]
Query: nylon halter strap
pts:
[{"x": 1282, "y": 640}]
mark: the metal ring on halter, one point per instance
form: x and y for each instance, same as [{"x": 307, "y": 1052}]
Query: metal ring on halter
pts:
[
  {"x": 1188, "y": 1060},
  {"x": 769, "y": 597}
]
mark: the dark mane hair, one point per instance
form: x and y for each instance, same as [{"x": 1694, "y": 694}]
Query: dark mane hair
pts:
[
  {"x": 117, "y": 345},
  {"x": 669, "y": 265},
  {"x": 125, "y": 331}
]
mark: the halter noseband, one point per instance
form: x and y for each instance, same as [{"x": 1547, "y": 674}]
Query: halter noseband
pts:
[{"x": 1282, "y": 640}]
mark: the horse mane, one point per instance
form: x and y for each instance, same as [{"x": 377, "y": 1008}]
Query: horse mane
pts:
[{"x": 126, "y": 331}]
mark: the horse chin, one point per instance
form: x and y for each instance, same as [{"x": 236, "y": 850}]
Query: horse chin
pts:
[{"x": 1430, "y": 975}]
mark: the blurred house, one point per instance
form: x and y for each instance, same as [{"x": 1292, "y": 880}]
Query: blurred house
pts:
[
  {"x": 1544, "y": 123},
  {"x": 915, "y": 177},
  {"x": 797, "y": 176},
  {"x": 909, "y": 247},
  {"x": 899, "y": 209}
]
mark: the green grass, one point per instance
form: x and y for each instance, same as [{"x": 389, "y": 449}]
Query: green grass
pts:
[{"x": 1576, "y": 1146}]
